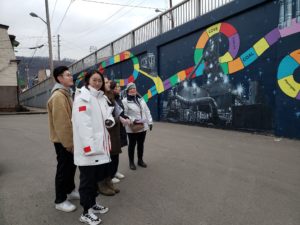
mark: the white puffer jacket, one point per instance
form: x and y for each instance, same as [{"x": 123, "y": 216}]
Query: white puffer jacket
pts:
[
  {"x": 137, "y": 112},
  {"x": 91, "y": 138}
]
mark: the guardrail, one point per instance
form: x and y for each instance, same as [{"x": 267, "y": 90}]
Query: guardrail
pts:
[{"x": 171, "y": 18}]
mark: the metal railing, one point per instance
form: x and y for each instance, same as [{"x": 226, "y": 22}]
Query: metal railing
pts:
[{"x": 174, "y": 17}]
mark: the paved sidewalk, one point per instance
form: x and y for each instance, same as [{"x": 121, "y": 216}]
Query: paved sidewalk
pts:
[{"x": 196, "y": 176}]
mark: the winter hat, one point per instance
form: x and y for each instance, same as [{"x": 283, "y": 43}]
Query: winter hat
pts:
[{"x": 130, "y": 86}]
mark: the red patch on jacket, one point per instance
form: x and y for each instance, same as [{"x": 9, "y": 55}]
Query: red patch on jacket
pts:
[
  {"x": 82, "y": 108},
  {"x": 87, "y": 149}
]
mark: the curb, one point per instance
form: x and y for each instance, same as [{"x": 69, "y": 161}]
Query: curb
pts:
[{"x": 20, "y": 113}]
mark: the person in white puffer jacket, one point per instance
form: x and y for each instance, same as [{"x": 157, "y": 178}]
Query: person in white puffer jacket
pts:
[
  {"x": 91, "y": 116},
  {"x": 141, "y": 120}
]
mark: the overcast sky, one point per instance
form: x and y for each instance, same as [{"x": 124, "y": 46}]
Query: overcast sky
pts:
[{"x": 86, "y": 24}]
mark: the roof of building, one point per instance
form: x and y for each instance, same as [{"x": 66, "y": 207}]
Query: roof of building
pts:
[
  {"x": 3, "y": 26},
  {"x": 13, "y": 40}
]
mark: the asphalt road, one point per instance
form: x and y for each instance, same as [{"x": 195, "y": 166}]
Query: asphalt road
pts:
[{"x": 196, "y": 176}]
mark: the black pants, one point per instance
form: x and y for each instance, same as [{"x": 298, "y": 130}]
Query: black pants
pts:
[
  {"x": 89, "y": 177},
  {"x": 139, "y": 139},
  {"x": 113, "y": 165},
  {"x": 65, "y": 172}
]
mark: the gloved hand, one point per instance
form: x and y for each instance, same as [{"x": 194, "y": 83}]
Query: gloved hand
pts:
[{"x": 150, "y": 126}]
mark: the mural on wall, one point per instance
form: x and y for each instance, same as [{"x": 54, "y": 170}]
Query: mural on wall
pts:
[
  {"x": 214, "y": 99},
  {"x": 137, "y": 70}
]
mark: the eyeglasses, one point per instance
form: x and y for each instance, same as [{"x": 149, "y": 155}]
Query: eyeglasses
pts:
[{"x": 67, "y": 75}]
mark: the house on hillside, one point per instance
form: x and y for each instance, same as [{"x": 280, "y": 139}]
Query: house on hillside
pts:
[{"x": 8, "y": 71}]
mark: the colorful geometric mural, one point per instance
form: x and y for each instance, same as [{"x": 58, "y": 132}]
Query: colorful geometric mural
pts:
[
  {"x": 285, "y": 75},
  {"x": 230, "y": 74},
  {"x": 229, "y": 64},
  {"x": 135, "y": 73}
]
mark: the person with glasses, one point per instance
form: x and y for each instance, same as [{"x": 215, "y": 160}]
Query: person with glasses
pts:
[{"x": 59, "y": 108}]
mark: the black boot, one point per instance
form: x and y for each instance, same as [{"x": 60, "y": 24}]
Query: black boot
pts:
[
  {"x": 141, "y": 163},
  {"x": 132, "y": 165}
]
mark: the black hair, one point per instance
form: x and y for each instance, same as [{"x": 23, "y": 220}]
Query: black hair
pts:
[
  {"x": 58, "y": 71},
  {"x": 113, "y": 85},
  {"x": 88, "y": 76}
]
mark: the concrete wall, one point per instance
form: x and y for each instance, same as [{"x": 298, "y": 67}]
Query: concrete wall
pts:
[
  {"x": 38, "y": 95},
  {"x": 8, "y": 100},
  {"x": 235, "y": 68}
]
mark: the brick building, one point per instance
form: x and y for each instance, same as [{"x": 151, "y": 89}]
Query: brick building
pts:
[{"x": 8, "y": 71}]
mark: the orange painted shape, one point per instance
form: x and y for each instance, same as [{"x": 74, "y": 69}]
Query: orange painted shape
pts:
[
  {"x": 122, "y": 83},
  {"x": 296, "y": 55},
  {"x": 126, "y": 54},
  {"x": 235, "y": 65},
  {"x": 203, "y": 40},
  {"x": 149, "y": 94},
  {"x": 182, "y": 75}
]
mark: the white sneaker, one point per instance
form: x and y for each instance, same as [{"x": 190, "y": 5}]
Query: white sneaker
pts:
[
  {"x": 90, "y": 218},
  {"x": 74, "y": 195},
  {"x": 99, "y": 209},
  {"x": 115, "y": 180},
  {"x": 119, "y": 175},
  {"x": 65, "y": 206}
]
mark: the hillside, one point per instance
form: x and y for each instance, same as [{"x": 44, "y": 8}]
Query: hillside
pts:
[{"x": 34, "y": 65}]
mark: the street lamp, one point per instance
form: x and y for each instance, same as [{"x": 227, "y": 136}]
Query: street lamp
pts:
[
  {"x": 167, "y": 15},
  {"x": 40, "y": 46},
  {"x": 35, "y": 15},
  {"x": 47, "y": 22}
]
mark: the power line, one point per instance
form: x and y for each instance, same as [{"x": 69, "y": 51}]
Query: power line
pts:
[
  {"x": 53, "y": 10},
  {"x": 124, "y": 5},
  {"x": 102, "y": 22},
  {"x": 107, "y": 36},
  {"x": 64, "y": 16}
]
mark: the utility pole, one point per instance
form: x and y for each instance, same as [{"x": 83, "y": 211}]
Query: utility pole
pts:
[
  {"x": 49, "y": 37},
  {"x": 58, "y": 48},
  {"x": 93, "y": 49},
  {"x": 171, "y": 13},
  {"x": 27, "y": 74}
]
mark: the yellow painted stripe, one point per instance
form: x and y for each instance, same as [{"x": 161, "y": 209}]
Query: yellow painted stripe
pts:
[
  {"x": 117, "y": 58},
  {"x": 261, "y": 46},
  {"x": 289, "y": 86},
  {"x": 213, "y": 29},
  {"x": 225, "y": 58}
]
